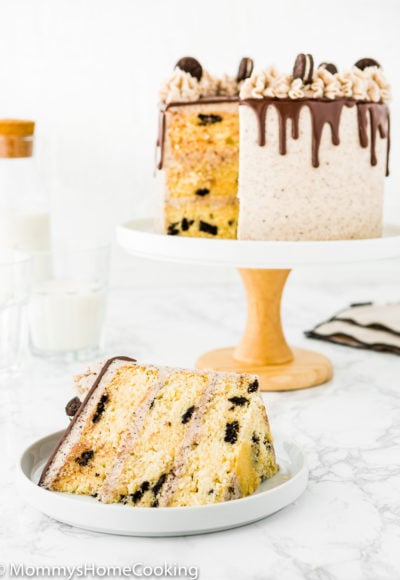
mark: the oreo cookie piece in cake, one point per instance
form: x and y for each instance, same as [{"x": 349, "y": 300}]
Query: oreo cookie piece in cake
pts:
[
  {"x": 159, "y": 436},
  {"x": 198, "y": 146}
]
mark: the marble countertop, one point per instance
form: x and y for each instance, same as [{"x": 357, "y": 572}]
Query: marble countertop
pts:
[{"x": 346, "y": 526}]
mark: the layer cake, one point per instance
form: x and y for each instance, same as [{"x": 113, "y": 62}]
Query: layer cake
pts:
[{"x": 158, "y": 437}]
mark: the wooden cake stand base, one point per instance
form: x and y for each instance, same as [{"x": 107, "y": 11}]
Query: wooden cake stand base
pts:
[{"x": 263, "y": 349}]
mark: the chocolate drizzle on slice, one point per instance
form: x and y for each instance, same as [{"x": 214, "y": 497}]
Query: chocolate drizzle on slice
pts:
[{"x": 322, "y": 112}]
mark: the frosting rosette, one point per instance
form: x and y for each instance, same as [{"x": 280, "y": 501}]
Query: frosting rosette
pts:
[
  {"x": 367, "y": 85},
  {"x": 325, "y": 84},
  {"x": 182, "y": 87}
]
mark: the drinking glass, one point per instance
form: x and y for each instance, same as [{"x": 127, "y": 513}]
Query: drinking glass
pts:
[
  {"x": 68, "y": 303},
  {"x": 15, "y": 276}
]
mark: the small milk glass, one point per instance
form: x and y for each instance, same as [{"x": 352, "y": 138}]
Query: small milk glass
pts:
[
  {"x": 68, "y": 304},
  {"x": 15, "y": 278}
]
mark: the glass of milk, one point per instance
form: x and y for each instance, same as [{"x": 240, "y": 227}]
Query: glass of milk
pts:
[
  {"x": 68, "y": 302},
  {"x": 15, "y": 279}
]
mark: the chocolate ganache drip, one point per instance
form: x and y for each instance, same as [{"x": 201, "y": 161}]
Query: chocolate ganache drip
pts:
[
  {"x": 160, "y": 139},
  {"x": 379, "y": 120},
  {"x": 323, "y": 112}
]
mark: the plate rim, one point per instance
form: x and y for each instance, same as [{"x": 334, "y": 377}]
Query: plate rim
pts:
[{"x": 25, "y": 482}]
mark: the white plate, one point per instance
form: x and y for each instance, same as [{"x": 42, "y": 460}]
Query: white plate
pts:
[
  {"x": 138, "y": 238},
  {"x": 86, "y": 512}
]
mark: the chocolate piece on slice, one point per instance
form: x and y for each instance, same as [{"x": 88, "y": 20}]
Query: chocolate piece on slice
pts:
[
  {"x": 202, "y": 191},
  {"x": 231, "y": 432},
  {"x": 85, "y": 457},
  {"x": 186, "y": 224},
  {"x": 173, "y": 229},
  {"x": 208, "y": 119},
  {"x": 190, "y": 65},
  {"x": 366, "y": 62},
  {"x": 329, "y": 66},
  {"x": 245, "y": 69},
  {"x": 208, "y": 228},
  {"x": 73, "y": 406},
  {"x": 303, "y": 68}
]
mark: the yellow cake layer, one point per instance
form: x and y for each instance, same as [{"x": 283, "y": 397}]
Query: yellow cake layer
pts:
[
  {"x": 152, "y": 453},
  {"x": 200, "y": 163},
  {"x": 100, "y": 440},
  {"x": 215, "y": 469},
  {"x": 202, "y": 179},
  {"x": 192, "y": 130},
  {"x": 204, "y": 220}
]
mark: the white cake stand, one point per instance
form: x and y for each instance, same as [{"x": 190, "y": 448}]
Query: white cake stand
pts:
[{"x": 264, "y": 267}]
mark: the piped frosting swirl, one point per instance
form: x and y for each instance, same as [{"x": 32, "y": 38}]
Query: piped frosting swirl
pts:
[
  {"x": 368, "y": 85},
  {"x": 183, "y": 87}
]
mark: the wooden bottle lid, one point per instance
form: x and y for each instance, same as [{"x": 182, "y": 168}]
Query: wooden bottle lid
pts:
[
  {"x": 17, "y": 127},
  {"x": 16, "y": 138}
]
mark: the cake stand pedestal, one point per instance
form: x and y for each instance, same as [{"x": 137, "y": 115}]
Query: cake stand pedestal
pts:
[
  {"x": 263, "y": 349},
  {"x": 264, "y": 267}
]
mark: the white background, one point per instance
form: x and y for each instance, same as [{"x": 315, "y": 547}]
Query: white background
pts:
[{"x": 88, "y": 71}]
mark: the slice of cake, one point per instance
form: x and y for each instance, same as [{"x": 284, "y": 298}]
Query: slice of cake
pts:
[
  {"x": 158, "y": 436},
  {"x": 198, "y": 151},
  {"x": 88, "y": 448},
  {"x": 313, "y": 152}
]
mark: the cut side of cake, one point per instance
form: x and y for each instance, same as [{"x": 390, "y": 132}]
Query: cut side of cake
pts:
[
  {"x": 199, "y": 177},
  {"x": 198, "y": 145},
  {"x": 158, "y": 437}
]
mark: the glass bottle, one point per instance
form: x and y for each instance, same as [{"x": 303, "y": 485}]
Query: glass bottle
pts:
[{"x": 24, "y": 211}]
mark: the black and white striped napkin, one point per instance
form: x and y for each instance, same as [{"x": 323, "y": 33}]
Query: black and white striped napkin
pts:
[{"x": 363, "y": 325}]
